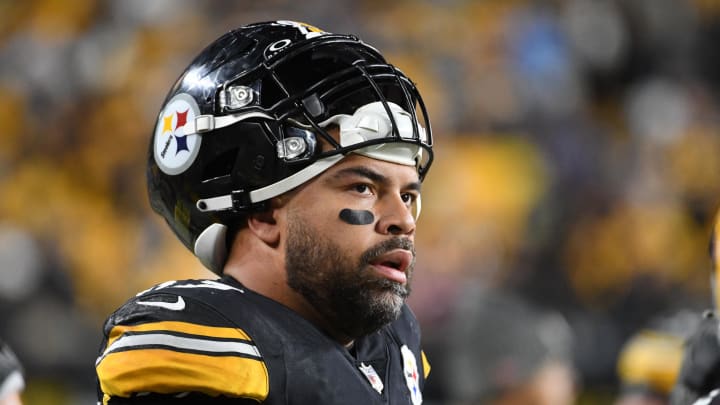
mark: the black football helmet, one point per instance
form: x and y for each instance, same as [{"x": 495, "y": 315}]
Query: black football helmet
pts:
[{"x": 247, "y": 121}]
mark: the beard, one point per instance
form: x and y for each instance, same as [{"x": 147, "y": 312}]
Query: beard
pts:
[{"x": 346, "y": 292}]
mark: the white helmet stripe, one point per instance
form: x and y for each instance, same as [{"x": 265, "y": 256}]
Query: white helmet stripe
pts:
[
  {"x": 224, "y": 202},
  {"x": 294, "y": 180},
  {"x": 205, "y": 123}
]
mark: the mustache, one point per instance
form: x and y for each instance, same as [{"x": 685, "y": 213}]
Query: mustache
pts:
[{"x": 387, "y": 246}]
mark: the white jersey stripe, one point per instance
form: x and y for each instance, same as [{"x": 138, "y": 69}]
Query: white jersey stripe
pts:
[
  {"x": 180, "y": 342},
  {"x": 708, "y": 399},
  {"x": 199, "y": 284}
]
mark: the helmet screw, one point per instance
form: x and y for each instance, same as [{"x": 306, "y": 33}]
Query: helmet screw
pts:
[
  {"x": 236, "y": 97},
  {"x": 291, "y": 148}
]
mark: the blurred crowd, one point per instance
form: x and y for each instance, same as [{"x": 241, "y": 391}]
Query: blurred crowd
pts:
[{"x": 576, "y": 173}]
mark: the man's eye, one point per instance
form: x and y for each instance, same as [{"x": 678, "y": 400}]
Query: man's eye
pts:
[
  {"x": 361, "y": 188},
  {"x": 408, "y": 198}
]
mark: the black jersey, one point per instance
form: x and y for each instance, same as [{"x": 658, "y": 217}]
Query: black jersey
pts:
[{"x": 217, "y": 342}]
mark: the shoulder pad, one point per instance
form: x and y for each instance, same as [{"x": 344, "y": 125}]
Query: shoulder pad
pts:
[{"x": 166, "y": 340}]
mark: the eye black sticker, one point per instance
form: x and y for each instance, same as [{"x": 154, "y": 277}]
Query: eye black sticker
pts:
[{"x": 357, "y": 217}]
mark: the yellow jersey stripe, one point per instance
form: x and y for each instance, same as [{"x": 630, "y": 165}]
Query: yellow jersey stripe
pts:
[
  {"x": 166, "y": 371},
  {"x": 426, "y": 364},
  {"x": 181, "y": 327}
]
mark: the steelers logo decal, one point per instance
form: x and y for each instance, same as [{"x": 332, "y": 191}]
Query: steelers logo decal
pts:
[
  {"x": 412, "y": 376},
  {"x": 176, "y": 150}
]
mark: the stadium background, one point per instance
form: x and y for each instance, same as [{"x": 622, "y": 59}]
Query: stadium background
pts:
[{"x": 576, "y": 161}]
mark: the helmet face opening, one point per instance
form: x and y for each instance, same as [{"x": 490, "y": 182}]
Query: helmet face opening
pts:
[{"x": 262, "y": 100}]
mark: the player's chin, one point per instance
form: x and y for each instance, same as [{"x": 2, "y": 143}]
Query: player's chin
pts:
[{"x": 391, "y": 296}]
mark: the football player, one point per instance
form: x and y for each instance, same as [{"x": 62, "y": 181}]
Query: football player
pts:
[
  {"x": 699, "y": 380},
  {"x": 12, "y": 382},
  {"x": 649, "y": 362},
  {"x": 289, "y": 160},
  {"x": 502, "y": 350}
]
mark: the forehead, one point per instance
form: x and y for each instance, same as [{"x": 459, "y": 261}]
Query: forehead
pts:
[{"x": 393, "y": 172}]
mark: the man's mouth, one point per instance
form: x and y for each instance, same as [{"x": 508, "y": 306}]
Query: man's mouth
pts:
[{"x": 393, "y": 265}]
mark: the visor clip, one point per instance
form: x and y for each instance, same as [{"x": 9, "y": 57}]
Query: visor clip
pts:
[{"x": 240, "y": 200}]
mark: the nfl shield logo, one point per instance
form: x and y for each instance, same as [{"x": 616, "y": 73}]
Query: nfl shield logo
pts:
[{"x": 372, "y": 376}]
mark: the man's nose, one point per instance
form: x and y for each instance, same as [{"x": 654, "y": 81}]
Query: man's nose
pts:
[{"x": 396, "y": 218}]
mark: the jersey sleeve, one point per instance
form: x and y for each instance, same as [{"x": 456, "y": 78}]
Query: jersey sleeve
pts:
[{"x": 173, "y": 346}]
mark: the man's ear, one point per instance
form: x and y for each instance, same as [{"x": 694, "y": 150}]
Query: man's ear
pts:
[{"x": 265, "y": 224}]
